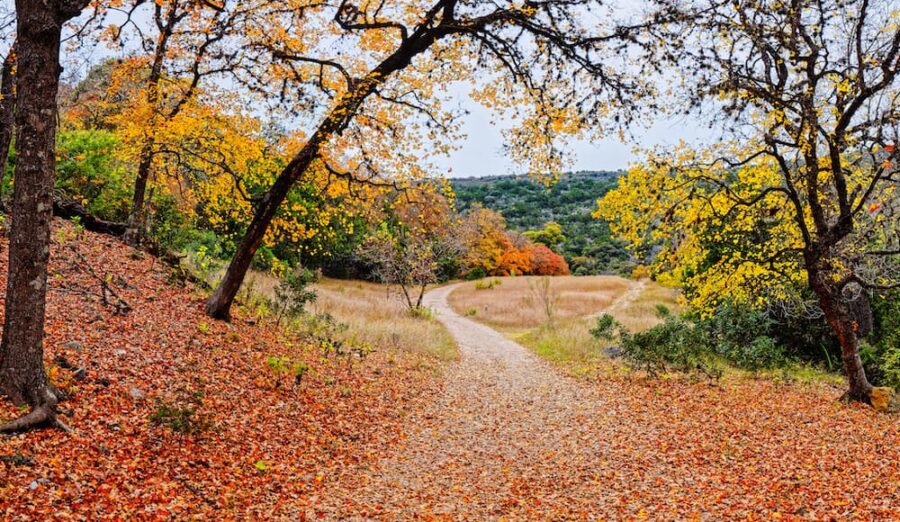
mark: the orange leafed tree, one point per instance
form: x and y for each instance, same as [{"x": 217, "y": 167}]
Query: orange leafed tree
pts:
[{"x": 547, "y": 262}]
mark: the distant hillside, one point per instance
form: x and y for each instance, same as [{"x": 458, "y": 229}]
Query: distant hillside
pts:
[{"x": 528, "y": 205}]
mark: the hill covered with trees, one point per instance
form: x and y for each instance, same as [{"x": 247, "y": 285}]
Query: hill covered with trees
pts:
[{"x": 529, "y": 205}]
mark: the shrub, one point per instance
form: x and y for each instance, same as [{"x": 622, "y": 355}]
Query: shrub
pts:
[
  {"x": 640, "y": 272},
  {"x": 88, "y": 172},
  {"x": 181, "y": 416},
  {"x": 607, "y": 328},
  {"x": 882, "y": 352},
  {"x": 674, "y": 345},
  {"x": 487, "y": 284},
  {"x": 422, "y": 312},
  {"x": 293, "y": 293},
  {"x": 284, "y": 367},
  {"x": 743, "y": 336}
]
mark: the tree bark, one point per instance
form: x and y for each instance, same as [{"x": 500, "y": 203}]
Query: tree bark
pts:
[
  {"x": 219, "y": 304},
  {"x": 839, "y": 318},
  {"x": 134, "y": 231},
  {"x": 7, "y": 107},
  {"x": 22, "y": 374}
]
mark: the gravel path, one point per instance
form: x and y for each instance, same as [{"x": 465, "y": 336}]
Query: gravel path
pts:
[
  {"x": 506, "y": 424},
  {"x": 511, "y": 438}
]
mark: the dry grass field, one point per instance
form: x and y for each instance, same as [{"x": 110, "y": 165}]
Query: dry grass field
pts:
[
  {"x": 570, "y": 344},
  {"x": 374, "y": 313},
  {"x": 515, "y": 307},
  {"x": 519, "y": 304}
]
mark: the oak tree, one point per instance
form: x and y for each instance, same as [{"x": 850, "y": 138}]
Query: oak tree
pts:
[
  {"x": 22, "y": 375},
  {"x": 371, "y": 72}
]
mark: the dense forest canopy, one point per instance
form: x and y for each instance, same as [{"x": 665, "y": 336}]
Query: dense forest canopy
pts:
[{"x": 528, "y": 205}]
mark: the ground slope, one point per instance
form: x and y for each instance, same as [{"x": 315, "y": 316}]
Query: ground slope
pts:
[
  {"x": 512, "y": 438},
  {"x": 264, "y": 452}
]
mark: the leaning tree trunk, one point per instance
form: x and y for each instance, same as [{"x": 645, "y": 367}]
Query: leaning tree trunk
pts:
[
  {"x": 7, "y": 107},
  {"x": 134, "y": 231},
  {"x": 22, "y": 375},
  {"x": 219, "y": 303},
  {"x": 841, "y": 321}
]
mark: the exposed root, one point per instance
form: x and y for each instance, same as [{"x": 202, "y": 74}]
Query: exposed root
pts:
[
  {"x": 42, "y": 415},
  {"x": 38, "y": 417},
  {"x": 850, "y": 396}
]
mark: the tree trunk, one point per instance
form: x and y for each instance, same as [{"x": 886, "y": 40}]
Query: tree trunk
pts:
[
  {"x": 7, "y": 108},
  {"x": 135, "y": 228},
  {"x": 219, "y": 304},
  {"x": 841, "y": 322},
  {"x": 22, "y": 374}
]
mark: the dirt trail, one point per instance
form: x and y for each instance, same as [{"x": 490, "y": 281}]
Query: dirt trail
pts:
[
  {"x": 625, "y": 299},
  {"x": 506, "y": 426},
  {"x": 511, "y": 438}
]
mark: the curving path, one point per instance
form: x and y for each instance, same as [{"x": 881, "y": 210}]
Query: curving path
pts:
[
  {"x": 510, "y": 438},
  {"x": 509, "y": 435}
]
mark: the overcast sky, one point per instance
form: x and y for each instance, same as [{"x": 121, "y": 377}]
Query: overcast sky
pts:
[{"x": 481, "y": 153}]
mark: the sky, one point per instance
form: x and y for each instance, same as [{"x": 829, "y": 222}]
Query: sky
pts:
[{"x": 481, "y": 152}]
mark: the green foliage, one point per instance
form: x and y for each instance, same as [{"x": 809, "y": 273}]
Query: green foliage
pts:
[
  {"x": 882, "y": 352},
  {"x": 487, "y": 284},
  {"x": 607, "y": 328},
  {"x": 293, "y": 293},
  {"x": 88, "y": 172},
  {"x": 529, "y": 206},
  {"x": 181, "y": 416},
  {"x": 550, "y": 236},
  {"x": 172, "y": 231},
  {"x": 738, "y": 335},
  {"x": 673, "y": 345},
  {"x": 282, "y": 366},
  {"x": 743, "y": 336},
  {"x": 422, "y": 312},
  {"x": 323, "y": 326}
]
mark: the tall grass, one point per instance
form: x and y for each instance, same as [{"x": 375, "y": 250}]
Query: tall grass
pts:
[
  {"x": 374, "y": 314},
  {"x": 570, "y": 344},
  {"x": 515, "y": 307}
]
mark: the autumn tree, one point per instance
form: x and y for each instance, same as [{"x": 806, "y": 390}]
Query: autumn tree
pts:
[
  {"x": 373, "y": 80},
  {"x": 806, "y": 177},
  {"x": 483, "y": 232},
  {"x": 414, "y": 243},
  {"x": 22, "y": 375},
  {"x": 551, "y": 235},
  {"x": 180, "y": 45},
  {"x": 546, "y": 262}
]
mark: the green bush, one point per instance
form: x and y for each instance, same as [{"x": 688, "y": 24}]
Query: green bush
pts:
[
  {"x": 181, "y": 416},
  {"x": 293, "y": 293},
  {"x": 881, "y": 353},
  {"x": 743, "y": 336},
  {"x": 607, "y": 328},
  {"x": 170, "y": 229},
  {"x": 674, "y": 345},
  {"x": 88, "y": 172}
]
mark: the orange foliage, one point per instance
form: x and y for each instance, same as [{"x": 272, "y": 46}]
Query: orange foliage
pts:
[
  {"x": 547, "y": 262},
  {"x": 514, "y": 260}
]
